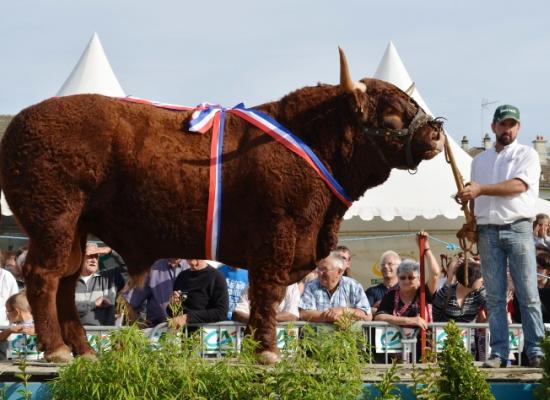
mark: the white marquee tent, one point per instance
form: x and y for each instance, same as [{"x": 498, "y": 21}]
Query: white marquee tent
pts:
[
  {"x": 92, "y": 73},
  {"x": 405, "y": 202}
]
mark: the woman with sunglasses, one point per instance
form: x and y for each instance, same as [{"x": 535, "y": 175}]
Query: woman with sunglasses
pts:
[{"x": 402, "y": 306}]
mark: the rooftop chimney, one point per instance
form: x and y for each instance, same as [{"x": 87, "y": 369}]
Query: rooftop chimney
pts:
[
  {"x": 540, "y": 146},
  {"x": 464, "y": 143},
  {"x": 486, "y": 142}
]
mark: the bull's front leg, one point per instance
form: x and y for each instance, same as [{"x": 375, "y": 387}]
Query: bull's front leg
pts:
[
  {"x": 71, "y": 329},
  {"x": 268, "y": 276}
]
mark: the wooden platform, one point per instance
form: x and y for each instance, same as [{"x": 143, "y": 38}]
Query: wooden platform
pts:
[
  {"x": 509, "y": 374},
  {"x": 42, "y": 371}
]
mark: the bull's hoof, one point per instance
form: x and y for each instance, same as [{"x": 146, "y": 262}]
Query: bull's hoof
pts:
[
  {"x": 268, "y": 358},
  {"x": 62, "y": 355},
  {"x": 90, "y": 355}
]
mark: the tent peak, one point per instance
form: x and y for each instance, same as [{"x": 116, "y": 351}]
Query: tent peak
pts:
[{"x": 92, "y": 73}]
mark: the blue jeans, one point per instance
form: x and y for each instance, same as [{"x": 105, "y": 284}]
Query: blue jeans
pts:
[{"x": 511, "y": 245}]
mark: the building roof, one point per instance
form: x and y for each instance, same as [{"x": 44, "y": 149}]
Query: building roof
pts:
[
  {"x": 545, "y": 177},
  {"x": 474, "y": 151},
  {"x": 4, "y": 122}
]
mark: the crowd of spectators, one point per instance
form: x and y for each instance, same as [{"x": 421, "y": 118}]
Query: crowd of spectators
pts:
[{"x": 194, "y": 291}]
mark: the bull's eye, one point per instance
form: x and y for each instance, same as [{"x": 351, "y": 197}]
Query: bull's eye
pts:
[{"x": 393, "y": 122}]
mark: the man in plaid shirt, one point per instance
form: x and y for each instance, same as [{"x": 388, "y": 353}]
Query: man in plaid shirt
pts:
[{"x": 332, "y": 295}]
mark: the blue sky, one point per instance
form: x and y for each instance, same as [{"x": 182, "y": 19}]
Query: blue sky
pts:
[{"x": 458, "y": 52}]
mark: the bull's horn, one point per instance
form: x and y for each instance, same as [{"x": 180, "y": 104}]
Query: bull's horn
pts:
[
  {"x": 410, "y": 90},
  {"x": 345, "y": 79}
]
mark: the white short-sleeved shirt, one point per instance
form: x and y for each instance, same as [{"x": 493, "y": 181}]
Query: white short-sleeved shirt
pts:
[
  {"x": 513, "y": 161},
  {"x": 289, "y": 303},
  {"x": 8, "y": 287}
]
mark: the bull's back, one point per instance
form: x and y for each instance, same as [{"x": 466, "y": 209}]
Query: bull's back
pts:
[{"x": 77, "y": 146}]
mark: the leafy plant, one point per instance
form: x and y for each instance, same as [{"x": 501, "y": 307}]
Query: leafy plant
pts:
[
  {"x": 542, "y": 392},
  {"x": 24, "y": 377},
  {"x": 322, "y": 364},
  {"x": 122, "y": 308},
  {"x": 426, "y": 380},
  {"x": 387, "y": 388},
  {"x": 462, "y": 379}
]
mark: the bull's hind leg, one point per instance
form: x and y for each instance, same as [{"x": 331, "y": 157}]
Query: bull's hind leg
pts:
[
  {"x": 42, "y": 281},
  {"x": 48, "y": 261},
  {"x": 268, "y": 275},
  {"x": 71, "y": 329}
]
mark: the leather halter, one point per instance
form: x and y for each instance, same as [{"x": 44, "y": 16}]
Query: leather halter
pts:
[{"x": 420, "y": 119}]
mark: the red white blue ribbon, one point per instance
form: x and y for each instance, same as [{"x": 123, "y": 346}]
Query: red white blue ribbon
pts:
[
  {"x": 294, "y": 144},
  {"x": 212, "y": 116},
  {"x": 202, "y": 121}
]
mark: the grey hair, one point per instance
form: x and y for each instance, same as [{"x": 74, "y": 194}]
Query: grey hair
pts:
[
  {"x": 389, "y": 253},
  {"x": 334, "y": 255},
  {"x": 407, "y": 266}
]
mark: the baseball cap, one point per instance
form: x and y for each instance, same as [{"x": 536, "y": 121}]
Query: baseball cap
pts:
[{"x": 506, "y": 111}]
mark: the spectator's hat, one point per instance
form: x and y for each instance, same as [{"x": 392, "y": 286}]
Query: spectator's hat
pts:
[{"x": 506, "y": 111}]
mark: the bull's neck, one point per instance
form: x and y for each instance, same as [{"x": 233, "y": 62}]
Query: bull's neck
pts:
[{"x": 327, "y": 126}]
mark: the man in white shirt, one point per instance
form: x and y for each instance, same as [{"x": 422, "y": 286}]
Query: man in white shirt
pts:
[
  {"x": 286, "y": 311},
  {"x": 8, "y": 287},
  {"x": 505, "y": 186}
]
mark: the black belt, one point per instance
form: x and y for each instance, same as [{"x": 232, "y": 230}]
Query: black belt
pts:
[{"x": 507, "y": 226}]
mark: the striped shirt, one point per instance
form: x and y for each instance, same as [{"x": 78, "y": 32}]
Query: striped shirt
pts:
[
  {"x": 348, "y": 293},
  {"x": 101, "y": 284},
  {"x": 473, "y": 302}
]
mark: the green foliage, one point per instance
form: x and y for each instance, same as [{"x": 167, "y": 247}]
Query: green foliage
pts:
[
  {"x": 386, "y": 389},
  {"x": 321, "y": 365},
  {"x": 542, "y": 392},
  {"x": 462, "y": 379},
  {"x": 427, "y": 379},
  {"x": 23, "y": 376}
]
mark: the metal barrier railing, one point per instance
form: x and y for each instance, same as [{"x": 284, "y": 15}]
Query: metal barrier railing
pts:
[{"x": 387, "y": 341}]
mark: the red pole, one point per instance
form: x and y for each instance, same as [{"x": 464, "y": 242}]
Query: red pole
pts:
[{"x": 422, "y": 250}]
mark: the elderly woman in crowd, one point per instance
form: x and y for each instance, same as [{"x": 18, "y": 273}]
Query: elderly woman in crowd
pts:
[{"x": 402, "y": 305}]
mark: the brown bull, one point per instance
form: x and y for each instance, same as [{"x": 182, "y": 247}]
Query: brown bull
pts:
[{"x": 134, "y": 176}]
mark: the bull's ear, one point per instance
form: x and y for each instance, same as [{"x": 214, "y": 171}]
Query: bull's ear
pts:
[{"x": 345, "y": 79}]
